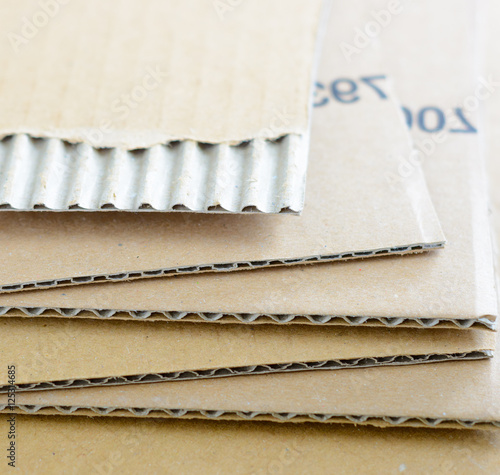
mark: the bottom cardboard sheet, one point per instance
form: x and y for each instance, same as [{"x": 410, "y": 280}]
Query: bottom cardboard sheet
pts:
[
  {"x": 70, "y": 353},
  {"x": 446, "y": 395},
  {"x": 107, "y": 446}
]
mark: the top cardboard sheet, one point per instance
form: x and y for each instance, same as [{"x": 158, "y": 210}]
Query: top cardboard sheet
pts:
[
  {"x": 456, "y": 285},
  {"x": 105, "y": 446},
  {"x": 350, "y": 212},
  {"x": 156, "y": 71},
  {"x": 156, "y": 106}
]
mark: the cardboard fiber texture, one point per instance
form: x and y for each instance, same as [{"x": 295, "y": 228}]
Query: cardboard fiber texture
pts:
[
  {"x": 261, "y": 52},
  {"x": 117, "y": 445},
  {"x": 456, "y": 285},
  {"x": 70, "y": 353},
  {"x": 158, "y": 106},
  {"x": 342, "y": 219},
  {"x": 460, "y": 394}
]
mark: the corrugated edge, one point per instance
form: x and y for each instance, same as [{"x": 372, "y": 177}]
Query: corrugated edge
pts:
[
  {"x": 258, "y": 176},
  {"x": 225, "y": 267},
  {"x": 252, "y": 370},
  {"x": 486, "y": 322},
  {"x": 377, "y": 421}
]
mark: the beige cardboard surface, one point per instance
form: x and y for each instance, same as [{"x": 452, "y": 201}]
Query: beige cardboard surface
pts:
[
  {"x": 342, "y": 219},
  {"x": 80, "y": 352},
  {"x": 107, "y": 446},
  {"x": 456, "y": 284},
  {"x": 87, "y": 59}
]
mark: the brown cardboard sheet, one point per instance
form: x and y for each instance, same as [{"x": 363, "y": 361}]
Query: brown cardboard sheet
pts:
[
  {"x": 116, "y": 445},
  {"x": 86, "y": 54},
  {"x": 454, "y": 285},
  {"x": 54, "y": 353},
  {"x": 343, "y": 218}
]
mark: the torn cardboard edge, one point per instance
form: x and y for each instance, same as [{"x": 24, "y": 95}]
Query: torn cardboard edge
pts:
[
  {"x": 177, "y": 176},
  {"x": 276, "y": 417},
  {"x": 225, "y": 267},
  {"x": 484, "y": 323},
  {"x": 364, "y": 362}
]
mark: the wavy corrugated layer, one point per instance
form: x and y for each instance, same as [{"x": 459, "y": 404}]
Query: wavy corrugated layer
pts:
[
  {"x": 259, "y": 369},
  {"x": 377, "y": 421},
  {"x": 256, "y": 176},
  {"x": 344, "y": 320},
  {"x": 223, "y": 267},
  {"x": 231, "y": 415}
]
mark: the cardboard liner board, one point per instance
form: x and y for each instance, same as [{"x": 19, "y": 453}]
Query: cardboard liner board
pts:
[
  {"x": 156, "y": 111},
  {"x": 108, "y": 445},
  {"x": 343, "y": 218},
  {"x": 258, "y": 176}
]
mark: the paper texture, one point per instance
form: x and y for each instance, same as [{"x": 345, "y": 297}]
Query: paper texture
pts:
[
  {"x": 135, "y": 75},
  {"x": 456, "y": 285},
  {"x": 106, "y": 446},
  {"x": 79, "y": 352}
]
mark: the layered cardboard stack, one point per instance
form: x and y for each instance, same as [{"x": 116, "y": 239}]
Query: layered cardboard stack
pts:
[{"x": 151, "y": 148}]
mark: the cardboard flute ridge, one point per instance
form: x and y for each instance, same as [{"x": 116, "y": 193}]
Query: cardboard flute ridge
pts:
[
  {"x": 252, "y": 370},
  {"x": 178, "y": 176},
  {"x": 483, "y": 323},
  {"x": 171, "y": 106}
]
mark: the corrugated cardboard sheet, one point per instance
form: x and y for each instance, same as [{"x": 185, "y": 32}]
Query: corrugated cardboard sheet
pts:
[
  {"x": 69, "y": 353},
  {"x": 106, "y": 446},
  {"x": 171, "y": 77},
  {"x": 452, "y": 394},
  {"x": 456, "y": 285},
  {"x": 343, "y": 218}
]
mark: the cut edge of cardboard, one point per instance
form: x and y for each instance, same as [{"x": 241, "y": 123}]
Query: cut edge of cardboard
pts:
[
  {"x": 487, "y": 322},
  {"x": 49, "y": 174},
  {"x": 288, "y": 417},
  {"x": 222, "y": 267},
  {"x": 365, "y": 362}
]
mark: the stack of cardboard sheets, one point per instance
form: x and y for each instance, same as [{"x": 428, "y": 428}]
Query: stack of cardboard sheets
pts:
[{"x": 221, "y": 219}]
